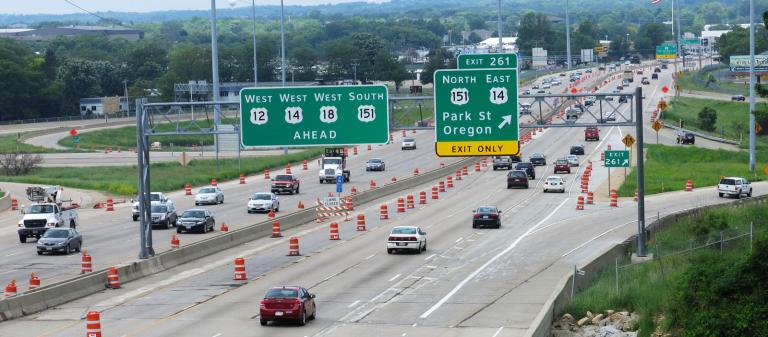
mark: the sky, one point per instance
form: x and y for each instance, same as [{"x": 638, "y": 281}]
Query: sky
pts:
[{"x": 62, "y": 7}]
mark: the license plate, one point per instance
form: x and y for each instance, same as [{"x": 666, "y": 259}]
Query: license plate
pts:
[
  {"x": 48, "y": 248},
  {"x": 402, "y": 243},
  {"x": 188, "y": 227},
  {"x": 278, "y": 313},
  {"x": 485, "y": 217}
]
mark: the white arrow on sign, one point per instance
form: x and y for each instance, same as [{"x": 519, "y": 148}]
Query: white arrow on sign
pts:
[
  {"x": 626, "y": 162},
  {"x": 506, "y": 120}
]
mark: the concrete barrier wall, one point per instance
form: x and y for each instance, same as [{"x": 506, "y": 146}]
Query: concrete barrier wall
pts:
[
  {"x": 5, "y": 202},
  {"x": 81, "y": 286},
  {"x": 561, "y": 296}
]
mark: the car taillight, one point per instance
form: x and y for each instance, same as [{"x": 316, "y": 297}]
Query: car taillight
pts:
[
  {"x": 392, "y": 238},
  {"x": 477, "y": 216},
  {"x": 493, "y": 216},
  {"x": 296, "y": 301},
  {"x": 263, "y": 303}
]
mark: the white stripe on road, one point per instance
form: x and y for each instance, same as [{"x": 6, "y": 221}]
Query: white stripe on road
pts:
[
  {"x": 597, "y": 237},
  {"x": 353, "y": 304},
  {"x": 498, "y": 331},
  {"x": 485, "y": 265},
  {"x": 394, "y": 277},
  {"x": 429, "y": 257}
]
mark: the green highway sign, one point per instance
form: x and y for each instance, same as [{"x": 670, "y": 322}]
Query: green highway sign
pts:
[
  {"x": 75, "y": 139},
  {"x": 487, "y": 61},
  {"x": 616, "y": 158},
  {"x": 314, "y": 115},
  {"x": 666, "y": 51},
  {"x": 689, "y": 42},
  {"x": 476, "y": 112}
]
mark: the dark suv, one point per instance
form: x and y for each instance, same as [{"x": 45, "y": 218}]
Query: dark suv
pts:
[
  {"x": 577, "y": 149},
  {"x": 538, "y": 159},
  {"x": 686, "y": 138},
  {"x": 528, "y": 168},
  {"x": 517, "y": 178}
]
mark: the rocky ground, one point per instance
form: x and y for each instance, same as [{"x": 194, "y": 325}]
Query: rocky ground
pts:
[{"x": 609, "y": 324}]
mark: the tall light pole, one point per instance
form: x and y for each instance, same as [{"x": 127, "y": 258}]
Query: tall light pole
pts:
[
  {"x": 567, "y": 36},
  {"x": 255, "y": 65},
  {"x": 215, "y": 71},
  {"x": 752, "y": 158},
  {"x": 679, "y": 33},
  {"x": 501, "y": 40},
  {"x": 282, "y": 42}
]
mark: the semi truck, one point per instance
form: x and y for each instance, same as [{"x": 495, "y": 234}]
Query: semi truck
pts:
[
  {"x": 333, "y": 164},
  {"x": 48, "y": 210}
]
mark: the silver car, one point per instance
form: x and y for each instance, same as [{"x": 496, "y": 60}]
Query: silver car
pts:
[
  {"x": 263, "y": 202},
  {"x": 209, "y": 195},
  {"x": 572, "y": 160}
]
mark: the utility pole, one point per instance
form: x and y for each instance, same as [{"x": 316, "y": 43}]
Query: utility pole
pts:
[
  {"x": 354, "y": 69},
  {"x": 215, "y": 71},
  {"x": 752, "y": 154},
  {"x": 641, "y": 251},
  {"x": 567, "y": 35},
  {"x": 255, "y": 65},
  {"x": 501, "y": 40},
  {"x": 282, "y": 51}
]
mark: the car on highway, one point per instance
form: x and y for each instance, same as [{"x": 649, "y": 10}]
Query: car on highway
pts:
[
  {"x": 517, "y": 178},
  {"x": 528, "y": 167},
  {"x": 639, "y": 72},
  {"x": 589, "y": 101},
  {"x": 577, "y": 149},
  {"x": 623, "y": 99},
  {"x": 60, "y": 240},
  {"x": 738, "y": 98},
  {"x": 209, "y": 195},
  {"x": 164, "y": 215},
  {"x": 619, "y": 88},
  {"x": 561, "y": 165},
  {"x": 654, "y": 76},
  {"x": 526, "y": 92},
  {"x": 407, "y": 238},
  {"x": 286, "y": 183},
  {"x": 572, "y": 114},
  {"x": 287, "y": 303},
  {"x": 545, "y": 86},
  {"x": 196, "y": 220},
  {"x": 408, "y": 144},
  {"x": 554, "y": 183},
  {"x": 154, "y": 197},
  {"x": 486, "y": 216},
  {"x": 535, "y": 86},
  {"x": 734, "y": 187},
  {"x": 591, "y": 133},
  {"x": 538, "y": 159},
  {"x": 572, "y": 160},
  {"x": 375, "y": 164},
  {"x": 645, "y": 80},
  {"x": 561, "y": 74},
  {"x": 525, "y": 108},
  {"x": 664, "y": 66},
  {"x": 657, "y": 70},
  {"x": 609, "y": 98},
  {"x": 588, "y": 71},
  {"x": 541, "y": 92},
  {"x": 685, "y": 137},
  {"x": 502, "y": 162},
  {"x": 263, "y": 202}
]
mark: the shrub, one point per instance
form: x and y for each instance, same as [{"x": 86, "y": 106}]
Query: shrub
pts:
[{"x": 707, "y": 119}]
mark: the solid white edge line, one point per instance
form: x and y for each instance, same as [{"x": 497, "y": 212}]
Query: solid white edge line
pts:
[
  {"x": 597, "y": 237},
  {"x": 394, "y": 277},
  {"x": 487, "y": 263},
  {"x": 498, "y": 331},
  {"x": 353, "y": 304},
  {"x": 429, "y": 257}
]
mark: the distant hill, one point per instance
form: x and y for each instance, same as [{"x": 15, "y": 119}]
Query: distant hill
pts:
[{"x": 403, "y": 8}]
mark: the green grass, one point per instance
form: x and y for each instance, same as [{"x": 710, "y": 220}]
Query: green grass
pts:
[
  {"x": 648, "y": 288},
  {"x": 687, "y": 83},
  {"x": 165, "y": 177},
  {"x": 406, "y": 113},
  {"x": 668, "y": 167},
  {"x": 11, "y": 144},
  {"x": 732, "y": 117},
  {"x": 2, "y": 194}
]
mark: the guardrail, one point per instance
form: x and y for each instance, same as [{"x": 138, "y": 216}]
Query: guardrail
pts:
[
  {"x": 68, "y": 290},
  {"x": 542, "y": 324},
  {"x": 703, "y": 135}
]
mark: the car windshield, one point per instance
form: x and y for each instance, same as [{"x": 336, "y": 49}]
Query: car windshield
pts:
[
  {"x": 334, "y": 161},
  {"x": 486, "y": 210},
  {"x": 154, "y": 197},
  {"x": 537, "y": 155},
  {"x": 284, "y": 177},
  {"x": 727, "y": 181},
  {"x": 261, "y": 196},
  {"x": 374, "y": 161},
  {"x": 404, "y": 230},
  {"x": 561, "y": 162},
  {"x": 159, "y": 208},
  {"x": 576, "y": 147},
  {"x": 517, "y": 174},
  {"x": 553, "y": 180},
  {"x": 282, "y": 293},
  {"x": 40, "y": 209},
  {"x": 408, "y": 140},
  {"x": 56, "y": 234},
  {"x": 193, "y": 214},
  {"x": 524, "y": 165},
  {"x": 207, "y": 190}
]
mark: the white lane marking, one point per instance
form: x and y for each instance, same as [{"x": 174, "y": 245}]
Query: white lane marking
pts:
[
  {"x": 459, "y": 239},
  {"x": 217, "y": 335},
  {"x": 429, "y": 257},
  {"x": 353, "y": 304},
  {"x": 369, "y": 257},
  {"x": 597, "y": 237},
  {"x": 404, "y": 333},
  {"x": 12, "y": 254},
  {"x": 498, "y": 331},
  {"x": 394, "y": 277},
  {"x": 486, "y": 264}
]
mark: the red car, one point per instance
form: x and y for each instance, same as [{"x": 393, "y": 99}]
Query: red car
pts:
[
  {"x": 287, "y": 303},
  {"x": 591, "y": 133},
  {"x": 285, "y": 183},
  {"x": 561, "y": 165}
]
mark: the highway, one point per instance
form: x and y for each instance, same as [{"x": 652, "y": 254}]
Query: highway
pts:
[{"x": 470, "y": 282}]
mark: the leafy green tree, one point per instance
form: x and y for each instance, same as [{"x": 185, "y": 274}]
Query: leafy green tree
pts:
[
  {"x": 476, "y": 22},
  {"x": 437, "y": 59},
  {"x": 473, "y": 38},
  {"x": 649, "y": 36},
  {"x": 707, "y": 119},
  {"x": 535, "y": 31}
]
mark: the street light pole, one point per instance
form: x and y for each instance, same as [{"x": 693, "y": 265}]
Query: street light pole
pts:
[
  {"x": 282, "y": 41},
  {"x": 501, "y": 40},
  {"x": 255, "y": 65},
  {"x": 567, "y": 35},
  {"x": 215, "y": 71},
  {"x": 752, "y": 155}
]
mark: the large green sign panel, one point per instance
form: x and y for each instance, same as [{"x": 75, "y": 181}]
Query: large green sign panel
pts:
[
  {"x": 487, "y": 61},
  {"x": 616, "y": 158},
  {"x": 318, "y": 115},
  {"x": 476, "y": 112},
  {"x": 666, "y": 51}
]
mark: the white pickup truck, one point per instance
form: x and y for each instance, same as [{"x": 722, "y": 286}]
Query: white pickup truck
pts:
[
  {"x": 47, "y": 211},
  {"x": 734, "y": 186},
  {"x": 154, "y": 198}
]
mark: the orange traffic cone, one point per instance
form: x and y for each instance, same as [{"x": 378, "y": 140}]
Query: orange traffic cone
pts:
[{"x": 240, "y": 269}]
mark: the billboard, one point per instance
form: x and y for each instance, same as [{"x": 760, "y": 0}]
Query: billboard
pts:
[
  {"x": 587, "y": 55},
  {"x": 539, "y": 57},
  {"x": 740, "y": 63}
]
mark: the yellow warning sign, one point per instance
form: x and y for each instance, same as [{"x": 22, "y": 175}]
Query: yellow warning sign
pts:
[
  {"x": 628, "y": 140},
  {"x": 758, "y": 128},
  {"x": 657, "y": 126},
  {"x": 479, "y": 148}
]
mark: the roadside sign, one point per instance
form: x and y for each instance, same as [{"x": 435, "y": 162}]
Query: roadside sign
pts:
[
  {"x": 487, "y": 61},
  {"x": 666, "y": 51},
  {"x": 72, "y": 132},
  {"x": 657, "y": 126},
  {"x": 758, "y": 128},
  {"x": 75, "y": 139},
  {"x": 616, "y": 158},
  {"x": 628, "y": 140},
  {"x": 665, "y": 89},
  {"x": 662, "y": 105},
  {"x": 476, "y": 112},
  {"x": 690, "y": 42},
  {"x": 339, "y": 184},
  {"x": 765, "y": 169},
  {"x": 332, "y": 201},
  {"x": 314, "y": 115},
  {"x": 599, "y": 49}
]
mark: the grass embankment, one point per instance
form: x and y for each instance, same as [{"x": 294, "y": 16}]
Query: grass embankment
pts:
[
  {"x": 407, "y": 114},
  {"x": 125, "y": 137},
  {"x": 668, "y": 167},
  {"x": 687, "y": 83},
  {"x": 12, "y": 144},
  {"x": 2, "y": 194},
  {"x": 166, "y": 177},
  {"x": 700, "y": 292}
]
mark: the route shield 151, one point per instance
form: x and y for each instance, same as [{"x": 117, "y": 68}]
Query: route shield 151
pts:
[{"x": 314, "y": 116}]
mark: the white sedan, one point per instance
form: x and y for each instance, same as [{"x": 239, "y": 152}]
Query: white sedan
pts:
[
  {"x": 209, "y": 195},
  {"x": 263, "y": 202},
  {"x": 554, "y": 183},
  {"x": 572, "y": 160},
  {"x": 407, "y": 238}
]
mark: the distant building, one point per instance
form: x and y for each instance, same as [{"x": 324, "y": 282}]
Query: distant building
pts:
[
  {"x": 44, "y": 34},
  {"x": 202, "y": 91},
  {"x": 100, "y": 105}
]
